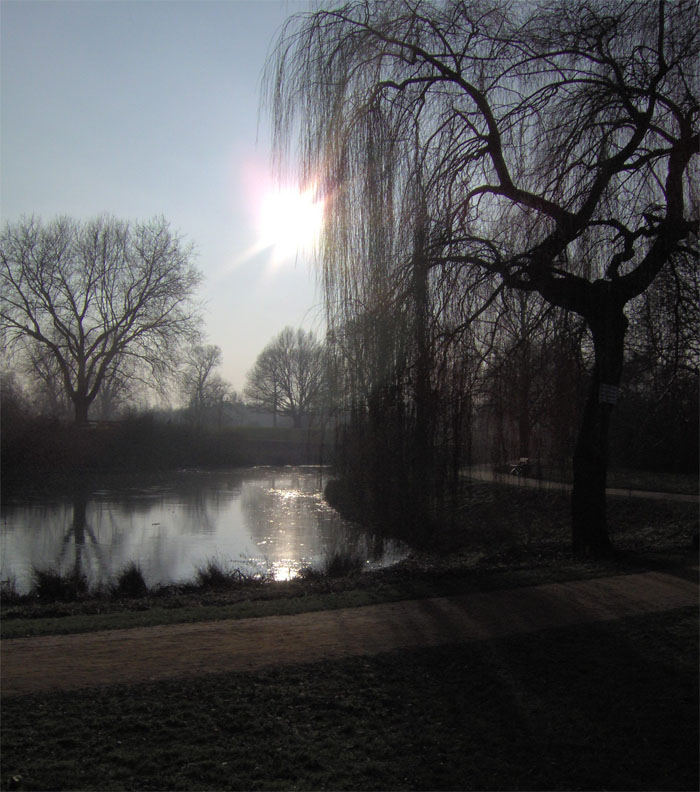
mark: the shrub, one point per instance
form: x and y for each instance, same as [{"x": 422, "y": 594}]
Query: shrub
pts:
[
  {"x": 214, "y": 575},
  {"x": 337, "y": 564},
  {"x": 130, "y": 582},
  {"x": 309, "y": 573},
  {"x": 50, "y": 584},
  {"x": 9, "y": 595},
  {"x": 343, "y": 563}
]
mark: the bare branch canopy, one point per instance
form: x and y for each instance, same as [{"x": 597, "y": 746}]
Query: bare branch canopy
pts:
[{"x": 97, "y": 295}]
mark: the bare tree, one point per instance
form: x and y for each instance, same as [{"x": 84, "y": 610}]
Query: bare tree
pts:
[
  {"x": 121, "y": 389},
  {"x": 97, "y": 297},
  {"x": 43, "y": 376},
  {"x": 287, "y": 377},
  {"x": 438, "y": 128},
  {"x": 42, "y": 373},
  {"x": 203, "y": 388},
  {"x": 199, "y": 367}
]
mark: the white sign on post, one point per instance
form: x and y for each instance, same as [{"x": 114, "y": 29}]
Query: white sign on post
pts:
[{"x": 607, "y": 394}]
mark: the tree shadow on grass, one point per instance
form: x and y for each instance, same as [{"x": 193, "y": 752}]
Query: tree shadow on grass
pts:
[{"x": 610, "y": 706}]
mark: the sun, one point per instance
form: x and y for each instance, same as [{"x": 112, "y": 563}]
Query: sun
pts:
[{"x": 290, "y": 221}]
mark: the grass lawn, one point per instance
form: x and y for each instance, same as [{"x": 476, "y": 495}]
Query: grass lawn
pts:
[{"x": 608, "y": 706}]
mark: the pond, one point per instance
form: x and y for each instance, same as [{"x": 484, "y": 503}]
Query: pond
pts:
[{"x": 272, "y": 520}]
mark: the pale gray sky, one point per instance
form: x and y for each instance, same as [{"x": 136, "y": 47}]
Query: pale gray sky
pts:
[{"x": 149, "y": 107}]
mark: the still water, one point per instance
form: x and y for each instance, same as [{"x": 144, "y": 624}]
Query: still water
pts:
[{"x": 258, "y": 519}]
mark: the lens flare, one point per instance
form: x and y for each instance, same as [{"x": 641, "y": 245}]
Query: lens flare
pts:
[{"x": 290, "y": 221}]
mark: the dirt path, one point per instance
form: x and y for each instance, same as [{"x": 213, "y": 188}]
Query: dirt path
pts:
[{"x": 67, "y": 662}]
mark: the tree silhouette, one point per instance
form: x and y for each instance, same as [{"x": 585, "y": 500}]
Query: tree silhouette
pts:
[
  {"x": 202, "y": 386},
  {"x": 287, "y": 377},
  {"x": 546, "y": 144},
  {"x": 97, "y": 297}
]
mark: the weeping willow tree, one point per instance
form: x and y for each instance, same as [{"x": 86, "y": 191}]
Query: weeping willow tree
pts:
[{"x": 543, "y": 147}]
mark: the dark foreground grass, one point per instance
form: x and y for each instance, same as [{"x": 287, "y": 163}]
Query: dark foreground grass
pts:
[{"x": 608, "y": 706}]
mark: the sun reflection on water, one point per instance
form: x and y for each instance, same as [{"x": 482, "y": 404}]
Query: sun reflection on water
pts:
[{"x": 271, "y": 522}]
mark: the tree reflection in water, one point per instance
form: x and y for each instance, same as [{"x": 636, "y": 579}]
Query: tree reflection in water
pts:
[
  {"x": 274, "y": 519},
  {"x": 90, "y": 550}
]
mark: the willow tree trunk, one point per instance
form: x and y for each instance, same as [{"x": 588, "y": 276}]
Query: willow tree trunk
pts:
[
  {"x": 423, "y": 474},
  {"x": 523, "y": 397},
  {"x": 590, "y": 536}
]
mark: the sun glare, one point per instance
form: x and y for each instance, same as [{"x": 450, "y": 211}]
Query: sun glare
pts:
[{"x": 290, "y": 221}]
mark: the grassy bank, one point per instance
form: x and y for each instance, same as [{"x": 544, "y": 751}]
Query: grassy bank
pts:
[
  {"x": 506, "y": 524},
  {"x": 608, "y": 706},
  {"x": 413, "y": 579}
]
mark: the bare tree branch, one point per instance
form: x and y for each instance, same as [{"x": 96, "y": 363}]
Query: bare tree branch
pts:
[{"x": 95, "y": 295}]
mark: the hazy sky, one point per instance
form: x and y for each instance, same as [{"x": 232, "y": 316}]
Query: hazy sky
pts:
[{"x": 151, "y": 107}]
